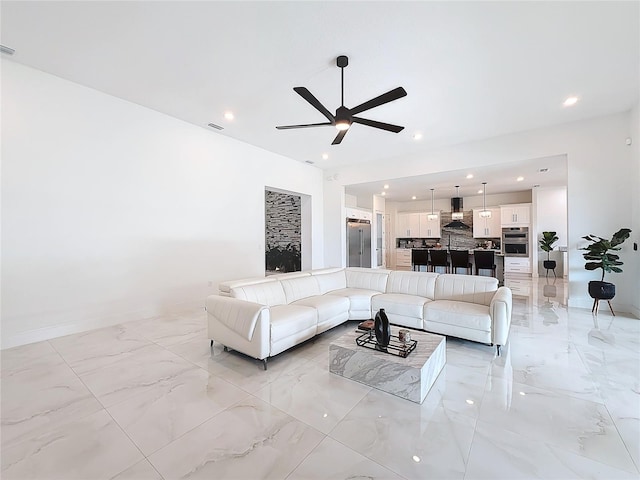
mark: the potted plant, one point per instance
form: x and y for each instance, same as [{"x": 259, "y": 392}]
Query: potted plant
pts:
[
  {"x": 598, "y": 256},
  {"x": 546, "y": 244}
]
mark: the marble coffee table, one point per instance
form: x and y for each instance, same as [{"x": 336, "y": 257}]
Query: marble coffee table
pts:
[{"x": 409, "y": 378}]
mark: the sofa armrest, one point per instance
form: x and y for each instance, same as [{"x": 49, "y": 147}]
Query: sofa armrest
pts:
[
  {"x": 500, "y": 311},
  {"x": 238, "y": 315}
]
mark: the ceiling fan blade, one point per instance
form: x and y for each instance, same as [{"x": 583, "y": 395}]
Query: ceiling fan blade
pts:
[
  {"x": 384, "y": 126},
  {"x": 308, "y": 96},
  {"x": 339, "y": 137},
  {"x": 390, "y": 96},
  {"x": 287, "y": 127}
]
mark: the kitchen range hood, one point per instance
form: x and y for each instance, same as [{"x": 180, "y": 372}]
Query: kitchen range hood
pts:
[{"x": 457, "y": 212}]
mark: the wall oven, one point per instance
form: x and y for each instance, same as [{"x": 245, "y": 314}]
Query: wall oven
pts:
[{"x": 515, "y": 241}]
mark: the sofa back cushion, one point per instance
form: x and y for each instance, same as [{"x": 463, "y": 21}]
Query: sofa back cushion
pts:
[
  {"x": 265, "y": 293},
  {"x": 421, "y": 284},
  {"x": 225, "y": 287},
  {"x": 301, "y": 287},
  {"x": 367, "y": 278},
  {"x": 466, "y": 288},
  {"x": 330, "y": 279}
]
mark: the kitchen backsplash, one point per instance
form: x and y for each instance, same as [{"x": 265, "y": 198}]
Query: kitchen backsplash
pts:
[{"x": 453, "y": 238}]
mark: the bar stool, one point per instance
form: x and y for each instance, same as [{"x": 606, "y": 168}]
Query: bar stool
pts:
[
  {"x": 438, "y": 259},
  {"x": 419, "y": 258},
  {"x": 484, "y": 260},
  {"x": 460, "y": 259}
]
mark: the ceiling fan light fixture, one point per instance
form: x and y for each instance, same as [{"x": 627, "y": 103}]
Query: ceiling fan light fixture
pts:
[{"x": 343, "y": 125}]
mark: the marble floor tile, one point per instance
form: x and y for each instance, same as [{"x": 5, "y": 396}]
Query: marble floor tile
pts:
[
  {"x": 561, "y": 401},
  {"x": 501, "y": 454},
  {"x": 38, "y": 399},
  {"x": 314, "y": 396},
  {"x": 156, "y": 417},
  {"x": 174, "y": 328},
  {"x": 331, "y": 459},
  {"x": 88, "y": 351},
  {"x": 93, "y": 447},
  {"x": 28, "y": 357},
  {"x": 573, "y": 424},
  {"x": 251, "y": 439},
  {"x": 134, "y": 374},
  {"x": 412, "y": 440},
  {"x": 140, "y": 471}
]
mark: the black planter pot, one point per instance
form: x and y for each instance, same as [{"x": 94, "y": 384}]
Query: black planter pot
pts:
[
  {"x": 601, "y": 290},
  {"x": 549, "y": 264},
  {"x": 382, "y": 328}
]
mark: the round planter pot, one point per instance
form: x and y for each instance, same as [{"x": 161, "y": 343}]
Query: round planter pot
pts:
[
  {"x": 602, "y": 290},
  {"x": 549, "y": 264}
]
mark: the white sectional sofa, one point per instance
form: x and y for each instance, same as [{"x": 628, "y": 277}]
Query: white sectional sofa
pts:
[{"x": 262, "y": 317}]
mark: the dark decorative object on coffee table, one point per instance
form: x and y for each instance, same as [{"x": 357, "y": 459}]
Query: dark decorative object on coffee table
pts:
[{"x": 382, "y": 328}]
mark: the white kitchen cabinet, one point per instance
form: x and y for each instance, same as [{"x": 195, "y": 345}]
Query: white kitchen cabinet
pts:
[
  {"x": 518, "y": 215},
  {"x": 403, "y": 259},
  {"x": 429, "y": 228},
  {"x": 487, "y": 227},
  {"x": 408, "y": 225},
  {"x": 358, "y": 213},
  {"x": 517, "y": 265}
]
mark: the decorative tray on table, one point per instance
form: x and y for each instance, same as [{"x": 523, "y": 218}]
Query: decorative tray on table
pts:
[{"x": 395, "y": 347}]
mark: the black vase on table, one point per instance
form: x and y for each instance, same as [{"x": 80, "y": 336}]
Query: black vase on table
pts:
[{"x": 382, "y": 328}]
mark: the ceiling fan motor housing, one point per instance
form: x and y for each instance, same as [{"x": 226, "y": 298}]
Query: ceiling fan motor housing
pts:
[{"x": 342, "y": 61}]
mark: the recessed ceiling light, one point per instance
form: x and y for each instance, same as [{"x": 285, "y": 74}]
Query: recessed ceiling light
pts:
[
  {"x": 480, "y": 191},
  {"x": 417, "y": 136},
  {"x": 470, "y": 402},
  {"x": 383, "y": 193},
  {"x": 416, "y": 459},
  {"x": 325, "y": 156},
  {"x": 570, "y": 101},
  {"x": 413, "y": 198},
  {"x": 519, "y": 179},
  {"x": 228, "y": 115},
  {"x": 470, "y": 175},
  {"x": 386, "y": 186}
]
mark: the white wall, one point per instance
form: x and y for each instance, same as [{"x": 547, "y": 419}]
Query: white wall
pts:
[
  {"x": 593, "y": 147},
  {"x": 634, "y": 270},
  {"x": 549, "y": 214},
  {"x": 112, "y": 212}
]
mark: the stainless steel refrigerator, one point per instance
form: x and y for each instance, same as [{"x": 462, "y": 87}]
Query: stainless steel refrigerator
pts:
[{"x": 358, "y": 243}]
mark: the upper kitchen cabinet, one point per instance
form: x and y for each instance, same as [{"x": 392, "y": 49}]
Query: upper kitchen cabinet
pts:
[
  {"x": 408, "y": 225},
  {"x": 518, "y": 215},
  {"x": 429, "y": 228},
  {"x": 358, "y": 213},
  {"x": 487, "y": 227}
]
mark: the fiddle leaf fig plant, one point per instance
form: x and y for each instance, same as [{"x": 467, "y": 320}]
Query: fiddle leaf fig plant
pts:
[
  {"x": 598, "y": 252},
  {"x": 547, "y": 241}
]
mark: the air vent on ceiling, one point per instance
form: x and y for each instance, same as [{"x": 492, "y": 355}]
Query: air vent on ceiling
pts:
[
  {"x": 213, "y": 125},
  {"x": 309, "y": 162},
  {"x": 7, "y": 50}
]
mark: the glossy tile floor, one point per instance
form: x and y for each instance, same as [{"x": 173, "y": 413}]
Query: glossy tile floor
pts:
[{"x": 149, "y": 400}]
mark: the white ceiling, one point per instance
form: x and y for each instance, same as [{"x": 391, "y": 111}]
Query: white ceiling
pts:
[{"x": 472, "y": 70}]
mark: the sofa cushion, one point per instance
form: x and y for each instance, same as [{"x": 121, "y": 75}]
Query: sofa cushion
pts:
[
  {"x": 330, "y": 279},
  {"x": 421, "y": 284},
  {"x": 287, "y": 320},
  {"x": 359, "y": 301},
  {"x": 466, "y": 288},
  {"x": 331, "y": 310},
  {"x": 367, "y": 278},
  {"x": 265, "y": 293},
  {"x": 399, "y": 304},
  {"x": 461, "y": 314},
  {"x": 301, "y": 287}
]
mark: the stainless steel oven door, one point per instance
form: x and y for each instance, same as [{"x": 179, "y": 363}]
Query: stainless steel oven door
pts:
[{"x": 516, "y": 249}]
